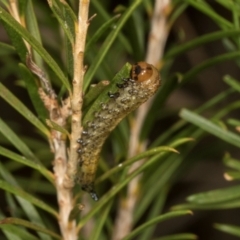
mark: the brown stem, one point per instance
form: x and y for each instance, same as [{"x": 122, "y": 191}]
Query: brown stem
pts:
[
  {"x": 58, "y": 115},
  {"x": 76, "y": 97}
]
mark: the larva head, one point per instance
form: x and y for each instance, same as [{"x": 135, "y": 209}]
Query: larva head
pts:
[
  {"x": 142, "y": 71},
  {"x": 146, "y": 75}
]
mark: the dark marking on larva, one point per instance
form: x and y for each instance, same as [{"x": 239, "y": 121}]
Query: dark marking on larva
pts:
[
  {"x": 113, "y": 95},
  {"x": 122, "y": 85},
  {"x": 80, "y": 151},
  {"x": 143, "y": 82},
  {"x": 94, "y": 195}
]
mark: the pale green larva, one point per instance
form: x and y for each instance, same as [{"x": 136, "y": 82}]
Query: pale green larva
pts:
[{"x": 132, "y": 92}]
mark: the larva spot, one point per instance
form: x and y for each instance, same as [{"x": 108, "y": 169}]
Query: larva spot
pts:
[
  {"x": 124, "y": 100},
  {"x": 94, "y": 196},
  {"x": 113, "y": 95},
  {"x": 142, "y": 83},
  {"x": 122, "y": 85},
  {"x": 125, "y": 79},
  {"x": 104, "y": 106},
  {"x": 89, "y": 188},
  {"x": 84, "y": 144},
  {"x": 80, "y": 151},
  {"x": 116, "y": 110},
  {"x": 92, "y": 125}
]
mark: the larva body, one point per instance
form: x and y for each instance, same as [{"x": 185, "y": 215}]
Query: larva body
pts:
[{"x": 132, "y": 92}]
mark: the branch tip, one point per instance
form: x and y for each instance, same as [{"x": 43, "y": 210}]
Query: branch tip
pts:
[{"x": 91, "y": 18}]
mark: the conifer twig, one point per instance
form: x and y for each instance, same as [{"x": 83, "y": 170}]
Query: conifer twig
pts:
[
  {"x": 76, "y": 97},
  {"x": 57, "y": 114}
]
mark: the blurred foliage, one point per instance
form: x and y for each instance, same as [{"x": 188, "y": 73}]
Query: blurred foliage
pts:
[{"x": 112, "y": 41}]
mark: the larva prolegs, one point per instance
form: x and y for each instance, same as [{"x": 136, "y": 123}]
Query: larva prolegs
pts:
[
  {"x": 121, "y": 96},
  {"x": 89, "y": 187}
]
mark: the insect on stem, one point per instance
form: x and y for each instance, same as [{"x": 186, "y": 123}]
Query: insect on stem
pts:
[{"x": 132, "y": 92}]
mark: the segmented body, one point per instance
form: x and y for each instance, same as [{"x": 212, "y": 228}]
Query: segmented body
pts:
[{"x": 132, "y": 92}]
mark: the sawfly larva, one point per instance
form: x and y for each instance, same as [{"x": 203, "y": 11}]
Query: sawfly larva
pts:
[{"x": 132, "y": 92}]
